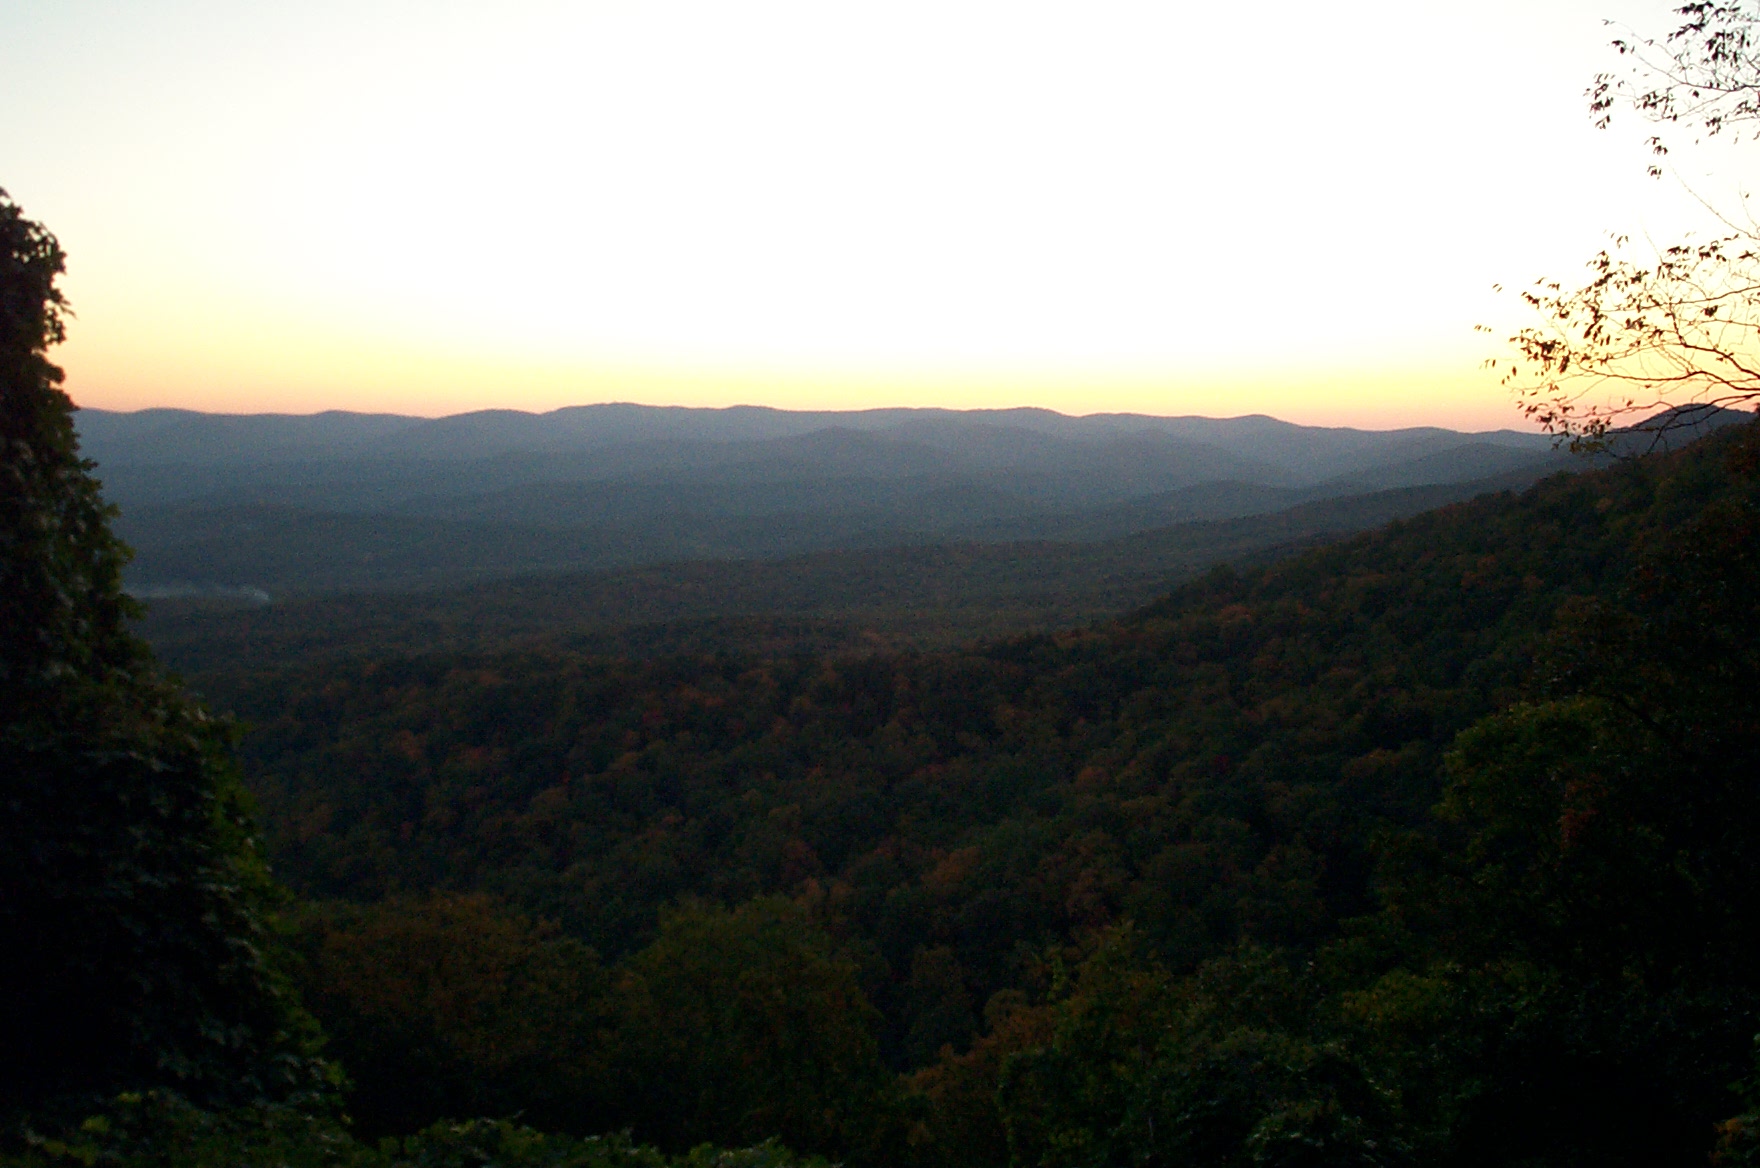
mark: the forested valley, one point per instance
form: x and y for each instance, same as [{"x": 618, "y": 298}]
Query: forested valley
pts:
[
  {"x": 1433, "y": 845},
  {"x": 1373, "y": 832}
]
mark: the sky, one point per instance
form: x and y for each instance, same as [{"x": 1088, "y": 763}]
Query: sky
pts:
[{"x": 1284, "y": 207}]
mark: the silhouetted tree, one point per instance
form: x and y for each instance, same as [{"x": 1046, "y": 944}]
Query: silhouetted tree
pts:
[{"x": 132, "y": 916}]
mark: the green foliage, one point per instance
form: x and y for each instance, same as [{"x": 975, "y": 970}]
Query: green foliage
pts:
[
  {"x": 730, "y": 1027},
  {"x": 1563, "y": 969},
  {"x": 158, "y": 1129},
  {"x": 164, "y": 1131},
  {"x": 450, "y": 1006},
  {"x": 1212, "y": 1069},
  {"x": 734, "y": 1026},
  {"x": 1738, "y": 1138},
  {"x": 1431, "y": 847},
  {"x": 1610, "y": 855},
  {"x": 61, "y": 608},
  {"x": 958, "y": 1122},
  {"x": 133, "y": 918},
  {"x": 1214, "y": 769}
]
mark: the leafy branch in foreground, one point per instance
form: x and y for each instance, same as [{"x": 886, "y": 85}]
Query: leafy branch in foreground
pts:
[
  {"x": 1703, "y": 73},
  {"x": 1679, "y": 333},
  {"x": 1674, "y": 332}
]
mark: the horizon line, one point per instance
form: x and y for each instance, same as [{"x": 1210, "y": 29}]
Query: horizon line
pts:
[{"x": 754, "y": 406}]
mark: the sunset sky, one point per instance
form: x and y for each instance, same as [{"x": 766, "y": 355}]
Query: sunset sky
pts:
[{"x": 1285, "y": 207}]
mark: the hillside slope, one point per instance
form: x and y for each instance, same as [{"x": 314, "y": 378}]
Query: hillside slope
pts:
[
  {"x": 922, "y": 595},
  {"x": 1207, "y": 767},
  {"x": 1220, "y": 811}
]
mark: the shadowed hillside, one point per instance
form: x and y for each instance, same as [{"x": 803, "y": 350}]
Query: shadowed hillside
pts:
[{"x": 922, "y": 595}]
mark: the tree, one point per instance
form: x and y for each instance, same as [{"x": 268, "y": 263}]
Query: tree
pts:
[
  {"x": 450, "y": 1006},
  {"x": 1589, "y": 991},
  {"x": 737, "y": 1026},
  {"x": 1219, "y": 1068},
  {"x": 1678, "y": 330},
  {"x": 134, "y": 915}
]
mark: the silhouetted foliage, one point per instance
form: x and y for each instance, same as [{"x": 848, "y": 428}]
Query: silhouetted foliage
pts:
[
  {"x": 1673, "y": 326},
  {"x": 131, "y": 921}
]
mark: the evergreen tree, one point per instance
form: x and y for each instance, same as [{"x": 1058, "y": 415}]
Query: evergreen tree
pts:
[{"x": 133, "y": 914}]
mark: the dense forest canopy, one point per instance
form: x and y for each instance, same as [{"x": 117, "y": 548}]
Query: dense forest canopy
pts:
[
  {"x": 1318, "y": 772},
  {"x": 1432, "y": 846}
]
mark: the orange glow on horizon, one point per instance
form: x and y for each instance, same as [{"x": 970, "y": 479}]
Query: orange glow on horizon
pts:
[
  {"x": 379, "y": 207},
  {"x": 430, "y": 386}
]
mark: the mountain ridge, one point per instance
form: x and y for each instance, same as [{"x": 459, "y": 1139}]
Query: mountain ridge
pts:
[{"x": 339, "y": 499}]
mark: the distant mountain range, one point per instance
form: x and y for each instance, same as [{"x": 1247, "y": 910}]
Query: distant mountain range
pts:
[
  {"x": 340, "y": 501},
  {"x": 752, "y": 442},
  {"x": 343, "y": 501}
]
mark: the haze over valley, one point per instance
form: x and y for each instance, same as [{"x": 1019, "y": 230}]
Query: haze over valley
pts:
[{"x": 903, "y": 524}]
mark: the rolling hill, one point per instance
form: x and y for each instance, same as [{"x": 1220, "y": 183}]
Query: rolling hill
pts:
[{"x": 302, "y": 505}]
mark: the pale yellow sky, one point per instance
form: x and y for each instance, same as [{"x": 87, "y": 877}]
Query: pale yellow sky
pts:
[{"x": 1167, "y": 207}]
